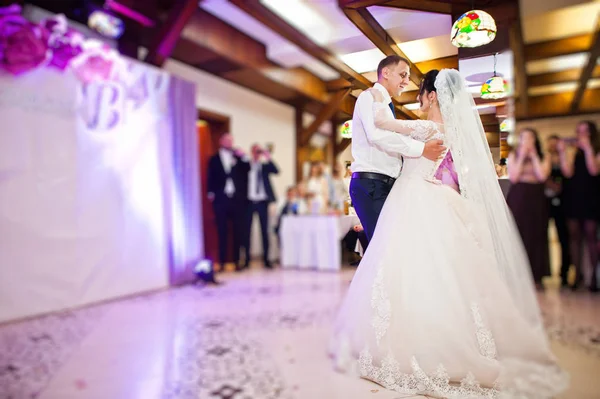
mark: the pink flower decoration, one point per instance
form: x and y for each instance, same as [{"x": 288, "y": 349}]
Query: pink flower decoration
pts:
[
  {"x": 97, "y": 62},
  {"x": 22, "y": 44},
  {"x": 65, "y": 43}
]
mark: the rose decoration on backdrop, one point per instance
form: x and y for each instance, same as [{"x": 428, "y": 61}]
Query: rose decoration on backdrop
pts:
[
  {"x": 65, "y": 43},
  {"x": 97, "y": 62},
  {"x": 22, "y": 44},
  {"x": 25, "y": 46}
]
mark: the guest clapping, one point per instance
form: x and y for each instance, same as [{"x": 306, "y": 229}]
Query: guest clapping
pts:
[{"x": 528, "y": 172}]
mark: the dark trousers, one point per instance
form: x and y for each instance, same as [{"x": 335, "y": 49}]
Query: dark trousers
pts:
[
  {"x": 230, "y": 222},
  {"x": 368, "y": 197},
  {"x": 262, "y": 208},
  {"x": 352, "y": 236},
  {"x": 560, "y": 220}
]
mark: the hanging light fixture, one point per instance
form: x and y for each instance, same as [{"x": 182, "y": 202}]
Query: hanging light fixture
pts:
[
  {"x": 495, "y": 87},
  {"x": 346, "y": 130},
  {"x": 507, "y": 125},
  {"x": 473, "y": 29}
]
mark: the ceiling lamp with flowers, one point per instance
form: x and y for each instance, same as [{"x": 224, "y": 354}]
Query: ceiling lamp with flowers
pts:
[
  {"x": 495, "y": 87},
  {"x": 346, "y": 130},
  {"x": 473, "y": 29}
]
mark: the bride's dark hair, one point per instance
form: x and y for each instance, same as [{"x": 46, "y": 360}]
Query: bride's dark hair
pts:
[{"x": 428, "y": 82}]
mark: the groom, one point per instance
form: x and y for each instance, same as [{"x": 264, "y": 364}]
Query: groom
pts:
[{"x": 378, "y": 153}]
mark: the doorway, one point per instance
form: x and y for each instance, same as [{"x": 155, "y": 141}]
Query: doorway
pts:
[{"x": 210, "y": 126}]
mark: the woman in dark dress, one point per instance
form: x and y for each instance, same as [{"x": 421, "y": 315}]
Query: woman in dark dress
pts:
[
  {"x": 582, "y": 198},
  {"x": 556, "y": 204},
  {"x": 528, "y": 173}
]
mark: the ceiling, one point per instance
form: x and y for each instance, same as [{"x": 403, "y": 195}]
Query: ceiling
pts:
[{"x": 320, "y": 54}]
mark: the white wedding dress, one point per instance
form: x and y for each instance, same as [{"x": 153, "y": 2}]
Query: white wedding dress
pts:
[{"x": 427, "y": 311}]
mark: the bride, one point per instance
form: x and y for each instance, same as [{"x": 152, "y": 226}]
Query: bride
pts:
[{"x": 442, "y": 303}]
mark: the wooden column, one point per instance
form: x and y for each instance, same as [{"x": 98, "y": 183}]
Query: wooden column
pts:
[{"x": 326, "y": 113}]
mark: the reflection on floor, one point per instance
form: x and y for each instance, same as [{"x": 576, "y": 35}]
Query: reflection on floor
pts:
[{"x": 261, "y": 335}]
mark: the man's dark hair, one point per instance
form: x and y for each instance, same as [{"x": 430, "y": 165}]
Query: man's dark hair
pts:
[
  {"x": 553, "y": 137},
  {"x": 389, "y": 61}
]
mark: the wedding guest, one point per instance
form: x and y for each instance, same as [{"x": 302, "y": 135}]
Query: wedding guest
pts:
[
  {"x": 554, "y": 194},
  {"x": 227, "y": 190},
  {"x": 340, "y": 191},
  {"x": 260, "y": 195},
  {"x": 582, "y": 197},
  {"x": 528, "y": 172},
  {"x": 501, "y": 169},
  {"x": 347, "y": 176},
  {"x": 317, "y": 189},
  {"x": 290, "y": 206}
]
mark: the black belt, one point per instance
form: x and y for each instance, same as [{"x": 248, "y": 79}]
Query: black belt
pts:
[{"x": 375, "y": 176}]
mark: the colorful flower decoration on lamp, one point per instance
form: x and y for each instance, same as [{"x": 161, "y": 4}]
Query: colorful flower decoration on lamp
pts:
[
  {"x": 507, "y": 125},
  {"x": 473, "y": 29},
  {"x": 346, "y": 130}
]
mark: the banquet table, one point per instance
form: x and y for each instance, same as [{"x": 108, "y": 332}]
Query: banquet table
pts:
[{"x": 314, "y": 241}]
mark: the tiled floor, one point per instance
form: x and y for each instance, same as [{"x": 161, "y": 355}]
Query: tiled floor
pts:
[{"x": 261, "y": 335}]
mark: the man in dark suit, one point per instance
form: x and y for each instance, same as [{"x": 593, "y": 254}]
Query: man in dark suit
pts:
[
  {"x": 260, "y": 195},
  {"x": 228, "y": 190}
]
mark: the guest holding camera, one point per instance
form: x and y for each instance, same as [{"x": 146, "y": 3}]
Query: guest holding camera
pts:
[
  {"x": 582, "y": 197},
  {"x": 260, "y": 195}
]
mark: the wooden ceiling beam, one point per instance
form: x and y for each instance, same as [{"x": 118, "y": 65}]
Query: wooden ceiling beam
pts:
[
  {"x": 401, "y": 110},
  {"x": 326, "y": 114},
  {"x": 587, "y": 72},
  {"x": 369, "y": 26},
  {"x": 168, "y": 34},
  {"x": 341, "y": 146},
  {"x": 518, "y": 48},
  {"x": 559, "y": 105},
  {"x": 420, "y": 5},
  {"x": 568, "y": 75},
  {"x": 450, "y": 62},
  {"x": 338, "y": 84},
  {"x": 362, "y": 3},
  {"x": 555, "y": 48},
  {"x": 238, "y": 51},
  {"x": 277, "y": 24},
  {"x": 408, "y": 97}
]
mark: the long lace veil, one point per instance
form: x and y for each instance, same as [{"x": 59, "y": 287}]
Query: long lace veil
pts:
[{"x": 479, "y": 184}]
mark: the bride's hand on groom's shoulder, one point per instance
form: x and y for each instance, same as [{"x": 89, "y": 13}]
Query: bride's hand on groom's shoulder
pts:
[{"x": 377, "y": 96}]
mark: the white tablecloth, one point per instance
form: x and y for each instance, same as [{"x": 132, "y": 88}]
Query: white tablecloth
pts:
[{"x": 314, "y": 242}]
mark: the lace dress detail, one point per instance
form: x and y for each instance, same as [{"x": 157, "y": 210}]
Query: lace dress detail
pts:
[
  {"x": 487, "y": 346},
  {"x": 389, "y": 374},
  {"x": 382, "y": 308}
]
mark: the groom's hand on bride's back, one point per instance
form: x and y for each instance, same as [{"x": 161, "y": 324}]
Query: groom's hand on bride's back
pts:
[{"x": 434, "y": 149}]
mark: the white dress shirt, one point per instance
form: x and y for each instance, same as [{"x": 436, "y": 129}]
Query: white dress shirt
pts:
[
  {"x": 256, "y": 186},
  {"x": 377, "y": 150},
  {"x": 228, "y": 162}
]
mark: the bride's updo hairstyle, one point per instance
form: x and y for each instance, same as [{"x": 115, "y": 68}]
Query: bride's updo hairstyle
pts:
[{"x": 428, "y": 83}]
